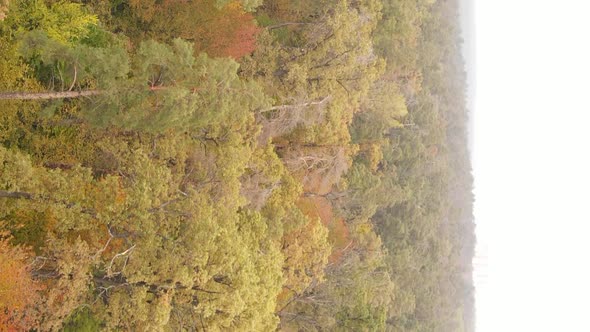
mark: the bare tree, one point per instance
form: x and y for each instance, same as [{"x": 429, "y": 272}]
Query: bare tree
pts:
[
  {"x": 282, "y": 119},
  {"x": 321, "y": 166}
]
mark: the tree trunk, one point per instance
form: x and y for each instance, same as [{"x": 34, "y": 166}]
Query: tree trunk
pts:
[
  {"x": 48, "y": 95},
  {"x": 289, "y": 107},
  {"x": 15, "y": 194}
]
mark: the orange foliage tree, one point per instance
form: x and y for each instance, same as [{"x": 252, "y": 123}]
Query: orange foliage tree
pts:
[
  {"x": 18, "y": 291},
  {"x": 228, "y": 31},
  {"x": 231, "y": 32}
]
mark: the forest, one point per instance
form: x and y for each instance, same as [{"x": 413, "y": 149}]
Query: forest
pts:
[{"x": 234, "y": 165}]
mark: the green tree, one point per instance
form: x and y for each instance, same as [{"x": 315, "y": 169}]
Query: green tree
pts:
[
  {"x": 328, "y": 62},
  {"x": 175, "y": 251},
  {"x": 355, "y": 296},
  {"x": 162, "y": 87}
]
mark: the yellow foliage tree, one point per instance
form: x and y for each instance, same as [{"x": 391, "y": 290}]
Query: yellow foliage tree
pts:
[{"x": 306, "y": 252}]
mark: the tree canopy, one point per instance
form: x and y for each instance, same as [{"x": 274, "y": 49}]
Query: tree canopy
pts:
[{"x": 234, "y": 165}]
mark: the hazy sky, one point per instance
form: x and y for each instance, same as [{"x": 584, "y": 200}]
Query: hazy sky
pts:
[{"x": 532, "y": 164}]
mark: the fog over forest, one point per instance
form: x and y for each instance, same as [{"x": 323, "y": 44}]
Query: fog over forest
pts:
[{"x": 467, "y": 15}]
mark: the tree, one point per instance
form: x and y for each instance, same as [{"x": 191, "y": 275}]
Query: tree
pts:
[
  {"x": 230, "y": 32},
  {"x": 280, "y": 120},
  {"x": 355, "y": 296},
  {"x": 64, "y": 22},
  {"x": 219, "y": 28},
  {"x": 306, "y": 252},
  {"x": 170, "y": 257},
  {"x": 168, "y": 87},
  {"x": 19, "y": 292},
  {"x": 83, "y": 321},
  {"x": 248, "y": 5},
  {"x": 382, "y": 109},
  {"x": 331, "y": 57},
  {"x": 398, "y": 38},
  {"x": 319, "y": 167},
  {"x": 3, "y": 9}
]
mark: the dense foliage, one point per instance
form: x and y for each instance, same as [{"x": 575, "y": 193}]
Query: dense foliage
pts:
[{"x": 234, "y": 165}]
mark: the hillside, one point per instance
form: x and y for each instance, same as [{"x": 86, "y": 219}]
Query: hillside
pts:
[{"x": 234, "y": 165}]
